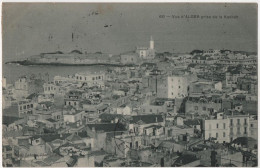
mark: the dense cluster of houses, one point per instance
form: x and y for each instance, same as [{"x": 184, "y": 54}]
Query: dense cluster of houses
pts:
[{"x": 197, "y": 109}]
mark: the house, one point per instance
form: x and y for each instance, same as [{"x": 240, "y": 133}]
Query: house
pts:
[
  {"x": 195, "y": 123},
  {"x": 122, "y": 144},
  {"x": 253, "y": 122},
  {"x": 226, "y": 127},
  {"x": 50, "y": 88},
  {"x": 124, "y": 110},
  {"x": 72, "y": 98},
  {"x": 91, "y": 78},
  {"x": 203, "y": 86},
  {"x": 154, "y": 130},
  {"x": 174, "y": 86},
  {"x": 139, "y": 122},
  {"x": 73, "y": 116},
  {"x": 100, "y": 131},
  {"x": 25, "y": 108},
  {"x": 158, "y": 106},
  {"x": 8, "y": 154},
  {"x": 203, "y": 104}
]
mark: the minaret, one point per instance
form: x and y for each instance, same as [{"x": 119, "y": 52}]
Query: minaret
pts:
[{"x": 151, "y": 43}]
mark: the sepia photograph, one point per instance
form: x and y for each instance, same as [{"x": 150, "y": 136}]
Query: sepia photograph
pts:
[{"x": 129, "y": 84}]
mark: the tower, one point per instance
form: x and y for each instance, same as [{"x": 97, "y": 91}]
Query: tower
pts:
[{"x": 151, "y": 43}]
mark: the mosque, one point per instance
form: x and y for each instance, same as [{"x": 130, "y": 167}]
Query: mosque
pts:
[{"x": 145, "y": 52}]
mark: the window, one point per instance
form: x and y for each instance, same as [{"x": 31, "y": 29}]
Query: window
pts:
[
  {"x": 238, "y": 130},
  {"x": 179, "y": 87},
  {"x": 21, "y": 108},
  {"x": 9, "y": 156},
  {"x": 245, "y": 130},
  {"x": 196, "y": 108},
  {"x": 216, "y": 135},
  {"x": 238, "y": 121},
  {"x": 252, "y": 125},
  {"x": 224, "y": 134},
  {"x": 245, "y": 121},
  {"x": 204, "y": 108},
  {"x": 209, "y": 135},
  {"x": 224, "y": 125},
  {"x": 151, "y": 110},
  {"x": 231, "y": 122},
  {"x": 217, "y": 126}
]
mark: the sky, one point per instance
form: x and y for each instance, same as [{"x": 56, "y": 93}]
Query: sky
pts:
[{"x": 33, "y": 28}]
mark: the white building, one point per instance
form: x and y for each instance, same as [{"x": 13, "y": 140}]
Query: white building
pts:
[
  {"x": 124, "y": 110},
  {"x": 50, "y": 88},
  {"x": 146, "y": 53},
  {"x": 73, "y": 116},
  {"x": 217, "y": 128},
  {"x": 21, "y": 84},
  {"x": 91, "y": 79},
  {"x": 61, "y": 79},
  {"x": 226, "y": 128},
  {"x": 173, "y": 87}
]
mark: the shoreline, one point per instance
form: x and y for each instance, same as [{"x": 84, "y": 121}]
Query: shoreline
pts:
[{"x": 28, "y": 63}]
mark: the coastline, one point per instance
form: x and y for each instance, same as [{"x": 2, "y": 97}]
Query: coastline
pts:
[{"x": 29, "y": 63}]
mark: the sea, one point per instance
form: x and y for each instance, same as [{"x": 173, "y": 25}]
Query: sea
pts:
[{"x": 13, "y": 71}]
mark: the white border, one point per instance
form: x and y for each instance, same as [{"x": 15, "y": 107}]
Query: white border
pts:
[{"x": 120, "y": 1}]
